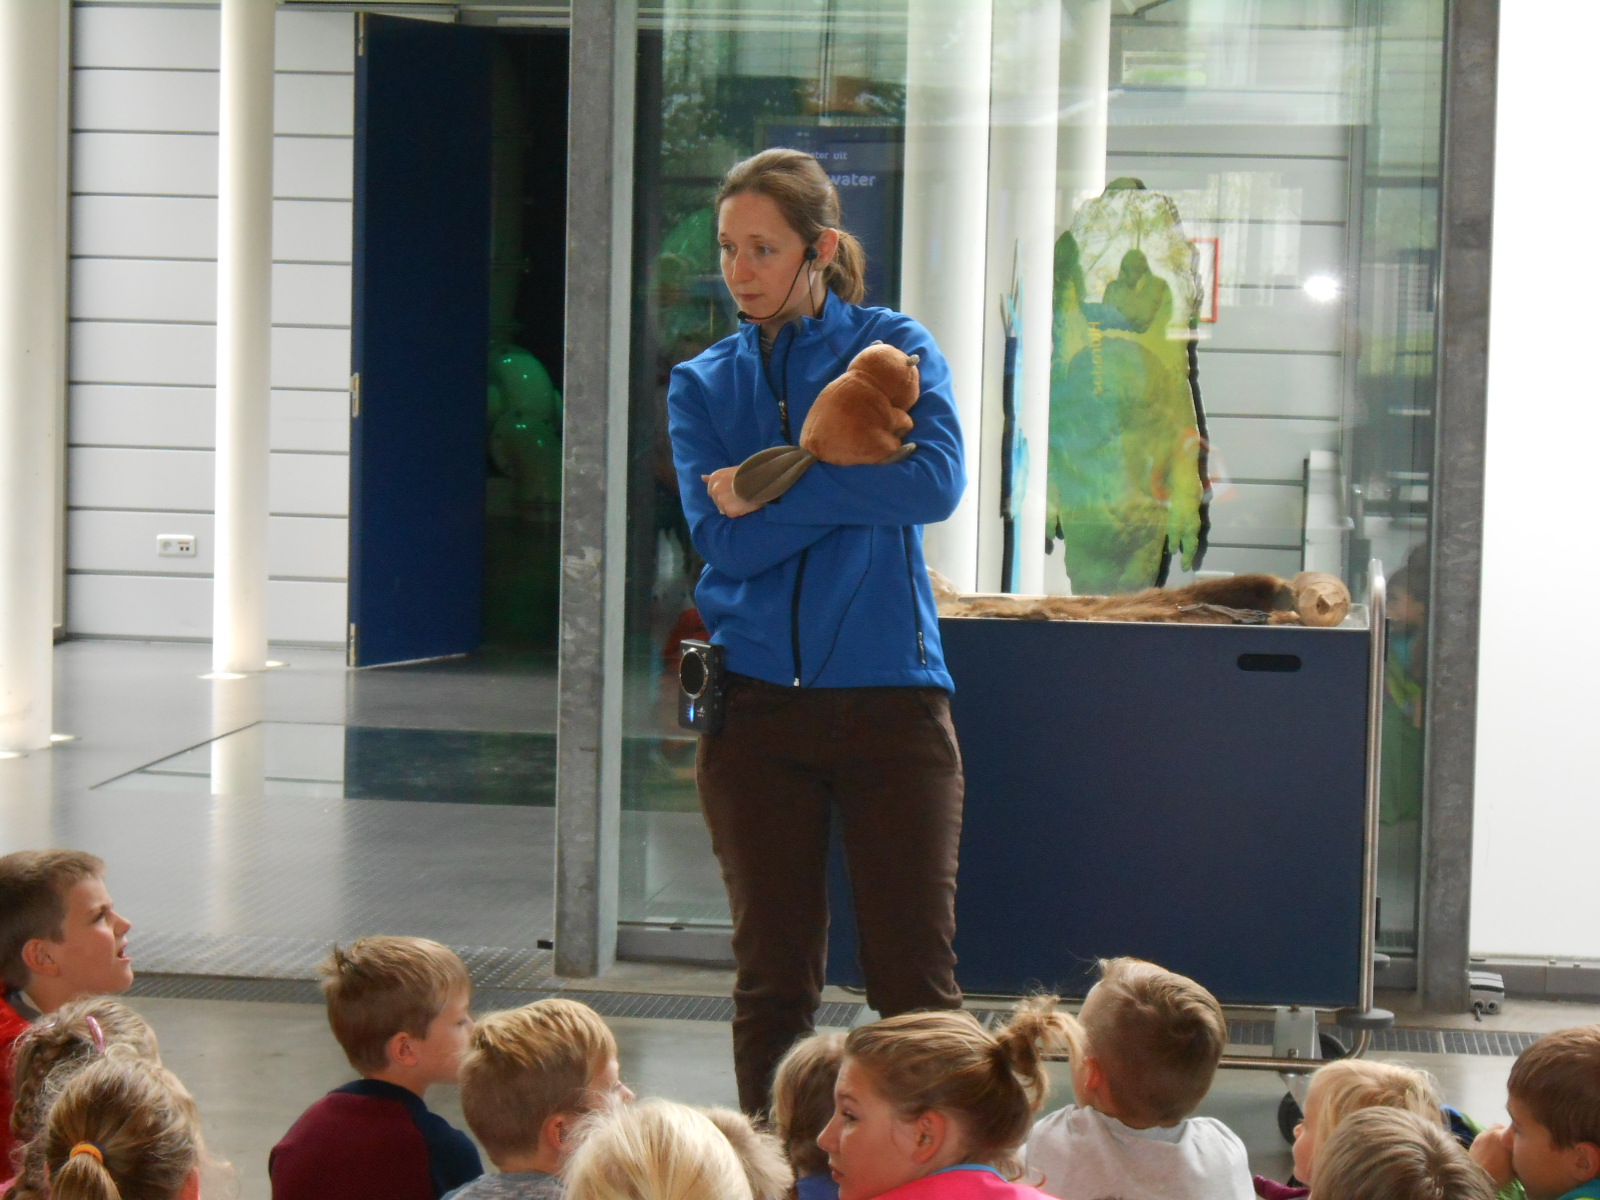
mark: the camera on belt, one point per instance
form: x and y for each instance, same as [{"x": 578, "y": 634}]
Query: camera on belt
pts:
[{"x": 700, "y": 686}]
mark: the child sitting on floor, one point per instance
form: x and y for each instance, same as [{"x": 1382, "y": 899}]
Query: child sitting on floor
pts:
[
  {"x": 1344, "y": 1087},
  {"x": 399, "y": 1008},
  {"x": 1149, "y": 1045},
  {"x": 123, "y": 1127},
  {"x": 760, "y": 1155},
  {"x": 1552, "y": 1146},
  {"x": 931, "y": 1106},
  {"x": 48, "y": 1053},
  {"x": 1392, "y": 1154},
  {"x": 528, "y": 1078},
  {"x": 60, "y": 939},
  {"x": 655, "y": 1150},
  {"x": 802, "y": 1106}
]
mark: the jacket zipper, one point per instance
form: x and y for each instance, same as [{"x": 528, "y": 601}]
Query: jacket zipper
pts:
[
  {"x": 916, "y": 607},
  {"x": 782, "y": 395}
]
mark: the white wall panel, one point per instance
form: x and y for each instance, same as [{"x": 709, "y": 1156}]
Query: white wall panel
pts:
[
  {"x": 149, "y": 101},
  {"x": 313, "y": 41},
  {"x": 185, "y": 418},
  {"x": 136, "y": 289},
  {"x": 309, "y": 484},
  {"x": 1257, "y": 514},
  {"x": 104, "y": 541},
  {"x": 1277, "y": 385},
  {"x": 1327, "y": 141},
  {"x": 108, "y": 352},
  {"x": 146, "y": 37},
  {"x": 1264, "y": 448},
  {"x": 312, "y": 230},
  {"x": 1242, "y": 561},
  {"x": 1280, "y": 319},
  {"x": 164, "y": 480},
  {"x": 311, "y": 358},
  {"x": 315, "y": 104},
  {"x": 1279, "y": 189},
  {"x": 145, "y": 164},
  {"x": 307, "y": 168},
  {"x": 155, "y": 606},
  {"x": 305, "y": 294}
]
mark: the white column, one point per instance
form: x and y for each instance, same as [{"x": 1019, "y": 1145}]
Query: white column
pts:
[
  {"x": 244, "y": 335},
  {"x": 946, "y": 206},
  {"x": 32, "y": 321},
  {"x": 1021, "y": 243}
]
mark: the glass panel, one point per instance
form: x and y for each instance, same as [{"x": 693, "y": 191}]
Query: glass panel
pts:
[{"x": 1180, "y": 256}]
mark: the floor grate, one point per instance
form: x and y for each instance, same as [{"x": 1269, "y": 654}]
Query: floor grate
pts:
[{"x": 489, "y": 996}]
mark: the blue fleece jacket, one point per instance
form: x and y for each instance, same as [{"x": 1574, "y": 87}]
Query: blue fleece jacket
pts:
[{"x": 826, "y": 586}]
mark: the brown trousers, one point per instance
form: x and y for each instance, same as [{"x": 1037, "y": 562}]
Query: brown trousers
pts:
[{"x": 886, "y": 759}]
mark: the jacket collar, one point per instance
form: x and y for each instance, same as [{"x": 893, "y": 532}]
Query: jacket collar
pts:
[{"x": 828, "y": 321}]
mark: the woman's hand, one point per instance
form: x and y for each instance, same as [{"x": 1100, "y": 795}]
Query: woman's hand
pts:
[{"x": 719, "y": 486}]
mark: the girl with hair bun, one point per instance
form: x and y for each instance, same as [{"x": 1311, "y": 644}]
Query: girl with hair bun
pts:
[
  {"x": 837, "y": 693},
  {"x": 122, "y": 1129},
  {"x": 931, "y": 1106}
]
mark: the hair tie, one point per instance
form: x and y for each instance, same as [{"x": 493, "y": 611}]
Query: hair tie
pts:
[
  {"x": 97, "y": 1034},
  {"x": 90, "y": 1149}
]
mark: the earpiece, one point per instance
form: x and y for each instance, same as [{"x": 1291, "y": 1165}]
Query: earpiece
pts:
[{"x": 811, "y": 254}]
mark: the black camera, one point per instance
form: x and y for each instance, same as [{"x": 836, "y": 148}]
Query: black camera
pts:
[{"x": 700, "y": 686}]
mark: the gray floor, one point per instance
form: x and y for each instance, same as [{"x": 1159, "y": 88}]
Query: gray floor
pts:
[{"x": 241, "y": 853}]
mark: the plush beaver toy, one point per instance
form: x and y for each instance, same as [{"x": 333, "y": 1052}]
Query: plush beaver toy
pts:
[{"x": 857, "y": 420}]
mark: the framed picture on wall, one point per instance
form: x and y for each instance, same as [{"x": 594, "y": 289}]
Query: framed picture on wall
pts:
[{"x": 1208, "y": 263}]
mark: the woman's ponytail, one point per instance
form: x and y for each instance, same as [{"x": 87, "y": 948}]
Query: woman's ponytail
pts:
[
  {"x": 847, "y": 273},
  {"x": 121, "y": 1129}
]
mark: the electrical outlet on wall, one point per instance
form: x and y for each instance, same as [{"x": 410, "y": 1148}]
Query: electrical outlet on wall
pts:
[{"x": 175, "y": 545}]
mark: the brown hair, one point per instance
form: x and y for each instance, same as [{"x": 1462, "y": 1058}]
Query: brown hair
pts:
[
  {"x": 141, "y": 1124},
  {"x": 759, "y": 1153},
  {"x": 1557, "y": 1079},
  {"x": 1159, "y": 1037},
  {"x": 51, "y": 1051},
  {"x": 525, "y": 1066},
  {"x": 802, "y": 1098},
  {"x": 377, "y": 987},
  {"x": 797, "y": 184},
  {"x": 993, "y": 1083},
  {"x": 1392, "y": 1154},
  {"x": 33, "y": 902},
  {"x": 1352, "y": 1084}
]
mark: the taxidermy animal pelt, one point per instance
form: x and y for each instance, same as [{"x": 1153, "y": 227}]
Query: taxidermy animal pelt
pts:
[{"x": 1311, "y": 598}]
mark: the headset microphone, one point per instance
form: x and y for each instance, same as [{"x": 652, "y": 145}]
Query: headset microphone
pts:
[{"x": 806, "y": 260}]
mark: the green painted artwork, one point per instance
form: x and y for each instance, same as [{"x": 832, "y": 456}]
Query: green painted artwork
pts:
[{"x": 1128, "y": 490}]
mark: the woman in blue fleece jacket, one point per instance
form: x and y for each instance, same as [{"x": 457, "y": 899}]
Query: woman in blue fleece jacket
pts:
[{"x": 838, "y": 697}]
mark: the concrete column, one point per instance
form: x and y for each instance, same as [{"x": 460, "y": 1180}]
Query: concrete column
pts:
[
  {"x": 1021, "y": 251},
  {"x": 948, "y": 44},
  {"x": 32, "y": 325},
  {"x": 594, "y": 498},
  {"x": 244, "y": 336}
]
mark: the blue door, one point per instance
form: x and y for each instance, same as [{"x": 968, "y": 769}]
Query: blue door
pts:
[{"x": 422, "y": 187}]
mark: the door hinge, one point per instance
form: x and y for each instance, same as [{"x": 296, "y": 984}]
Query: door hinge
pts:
[
  {"x": 361, "y": 35},
  {"x": 352, "y": 645},
  {"x": 355, "y": 396}
]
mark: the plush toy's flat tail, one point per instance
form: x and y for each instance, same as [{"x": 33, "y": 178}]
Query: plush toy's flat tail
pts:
[
  {"x": 768, "y": 474},
  {"x": 903, "y": 452}
]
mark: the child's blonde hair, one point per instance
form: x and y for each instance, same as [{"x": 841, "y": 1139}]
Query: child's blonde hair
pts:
[
  {"x": 524, "y": 1066},
  {"x": 993, "y": 1083},
  {"x": 47, "y": 1054},
  {"x": 802, "y": 1098},
  {"x": 1558, "y": 1080},
  {"x": 121, "y": 1128},
  {"x": 1351, "y": 1084},
  {"x": 1158, "y": 1036},
  {"x": 760, "y": 1154},
  {"x": 377, "y": 987},
  {"x": 655, "y": 1150},
  {"x": 1393, "y": 1154}
]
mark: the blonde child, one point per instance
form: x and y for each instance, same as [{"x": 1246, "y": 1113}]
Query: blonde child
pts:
[
  {"x": 802, "y": 1106},
  {"x": 1148, "y": 1047},
  {"x": 655, "y": 1150},
  {"x": 528, "y": 1078},
  {"x": 124, "y": 1128},
  {"x": 760, "y": 1154},
  {"x": 931, "y": 1106},
  {"x": 399, "y": 1008},
  {"x": 1552, "y": 1146},
  {"x": 48, "y": 1053},
  {"x": 1348, "y": 1086},
  {"x": 1390, "y": 1153}
]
